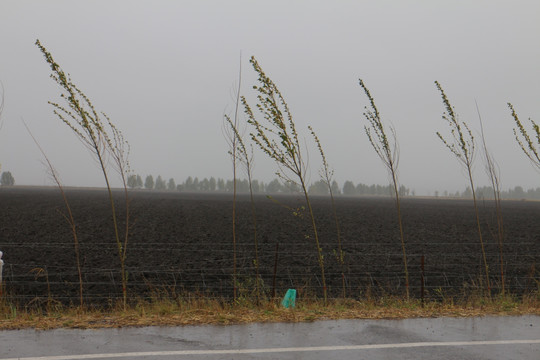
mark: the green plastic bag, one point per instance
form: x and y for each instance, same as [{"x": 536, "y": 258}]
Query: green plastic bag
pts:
[{"x": 290, "y": 299}]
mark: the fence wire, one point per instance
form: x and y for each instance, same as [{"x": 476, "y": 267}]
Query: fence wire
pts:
[
  {"x": 35, "y": 283},
  {"x": 181, "y": 247}
]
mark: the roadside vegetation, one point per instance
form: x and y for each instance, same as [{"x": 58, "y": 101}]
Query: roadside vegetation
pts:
[
  {"x": 327, "y": 178},
  {"x": 104, "y": 141},
  {"x": 68, "y": 215},
  {"x": 201, "y": 311},
  {"x": 238, "y": 153},
  {"x": 462, "y": 145},
  {"x": 492, "y": 170},
  {"x": 276, "y": 135},
  {"x": 387, "y": 149},
  {"x": 274, "y": 132}
]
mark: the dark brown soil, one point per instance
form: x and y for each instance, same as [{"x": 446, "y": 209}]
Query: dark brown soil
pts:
[{"x": 181, "y": 243}]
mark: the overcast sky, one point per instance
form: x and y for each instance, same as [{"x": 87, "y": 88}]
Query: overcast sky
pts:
[{"x": 164, "y": 71}]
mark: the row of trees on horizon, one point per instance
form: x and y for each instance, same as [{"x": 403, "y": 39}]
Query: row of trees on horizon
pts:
[
  {"x": 242, "y": 186},
  {"x": 193, "y": 184},
  {"x": 212, "y": 184}
]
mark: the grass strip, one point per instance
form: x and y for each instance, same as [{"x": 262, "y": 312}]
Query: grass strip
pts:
[{"x": 216, "y": 312}]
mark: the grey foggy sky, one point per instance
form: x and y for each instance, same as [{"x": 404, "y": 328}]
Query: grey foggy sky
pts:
[{"x": 164, "y": 71}]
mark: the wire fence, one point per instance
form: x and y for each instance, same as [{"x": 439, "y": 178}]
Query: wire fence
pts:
[
  {"x": 181, "y": 247},
  {"x": 438, "y": 278}
]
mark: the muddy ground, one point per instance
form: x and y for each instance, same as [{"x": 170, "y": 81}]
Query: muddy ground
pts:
[{"x": 182, "y": 243}]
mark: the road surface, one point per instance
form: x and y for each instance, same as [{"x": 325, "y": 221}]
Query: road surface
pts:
[{"x": 437, "y": 338}]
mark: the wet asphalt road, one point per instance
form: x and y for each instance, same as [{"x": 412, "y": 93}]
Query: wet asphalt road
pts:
[{"x": 438, "y": 338}]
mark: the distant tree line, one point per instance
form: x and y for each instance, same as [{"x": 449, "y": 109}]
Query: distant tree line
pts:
[
  {"x": 350, "y": 189},
  {"x": 212, "y": 184},
  {"x": 486, "y": 192},
  {"x": 194, "y": 184},
  {"x": 317, "y": 188},
  {"x": 6, "y": 179}
]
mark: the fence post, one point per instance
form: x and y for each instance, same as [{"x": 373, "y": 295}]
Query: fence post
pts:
[
  {"x": 422, "y": 279},
  {"x": 1, "y": 267},
  {"x": 275, "y": 272}
]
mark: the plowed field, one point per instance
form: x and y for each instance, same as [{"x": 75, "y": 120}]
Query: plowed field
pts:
[{"x": 181, "y": 243}]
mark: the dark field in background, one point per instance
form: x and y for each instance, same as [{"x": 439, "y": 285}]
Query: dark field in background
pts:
[{"x": 181, "y": 243}]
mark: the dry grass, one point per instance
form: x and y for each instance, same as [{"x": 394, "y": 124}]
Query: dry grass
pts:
[{"x": 215, "y": 312}]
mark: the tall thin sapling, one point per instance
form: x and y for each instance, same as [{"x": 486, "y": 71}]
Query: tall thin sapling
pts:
[
  {"x": 277, "y": 137},
  {"x": 232, "y": 140},
  {"x": 69, "y": 217},
  {"x": 389, "y": 154},
  {"x": 493, "y": 173},
  {"x": 245, "y": 158},
  {"x": 103, "y": 140},
  {"x": 327, "y": 175},
  {"x": 462, "y": 145}
]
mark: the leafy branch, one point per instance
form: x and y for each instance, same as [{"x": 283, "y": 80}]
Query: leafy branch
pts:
[
  {"x": 388, "y": 152},
  {"x": 101, "y": 138},
  {"x": 277, "y": 137},
  {"x": 462, "y": 145}
]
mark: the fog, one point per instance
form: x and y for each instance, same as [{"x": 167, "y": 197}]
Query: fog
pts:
[{"x": 165, "y": 73}]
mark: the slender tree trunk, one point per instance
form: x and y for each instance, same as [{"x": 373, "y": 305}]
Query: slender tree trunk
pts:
[
  {"x": 340, "y": 251},
  {"x": 116, "y": 233},
  {"x": 256, "y": 241},
  {"x": 486, "y": 268},
  {"x": 319, "y": 250},
  {"x": 401, "y": 232},
  {"x": 501, "y": 239}
]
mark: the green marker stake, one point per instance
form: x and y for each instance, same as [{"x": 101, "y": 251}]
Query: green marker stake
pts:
[{"x": 290, "y": 299}]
